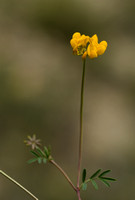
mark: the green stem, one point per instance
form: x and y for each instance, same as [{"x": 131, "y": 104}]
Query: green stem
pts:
[
  {"x": 81, "y": 124},
  {"x": 15, "y": 182}
]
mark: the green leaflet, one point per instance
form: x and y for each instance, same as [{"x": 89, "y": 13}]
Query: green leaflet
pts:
[
  {"x": 39, "y": 160},
  {"x": 105, "y": 172},
  {"x": 47, "y": 152},
  {"x": 94, "y": 184},
  {"x": 105, "y": 182},
  {"x": 95, "y": 174},
  {"x": 107, "y": 178},
  {"x": 44, "y": 160},
  {"x": 84, "y": 186},
  {"x": 34, "y": 153},
  {"x": 32, "y": 160},
  {"x": 84, "y": 175},
  {"x": 40, "y": 152}
]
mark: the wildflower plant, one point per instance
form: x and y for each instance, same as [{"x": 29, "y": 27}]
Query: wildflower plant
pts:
[{"x": 83, "y": 46}]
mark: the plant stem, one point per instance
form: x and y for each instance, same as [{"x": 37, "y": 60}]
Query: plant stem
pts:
[
  {"x": 15, "y": 182},
  {"x": 64, "y": 173},
  {"x": 78, "y": 194},
  {"x": 81, "y": 126},
  {"x": 80, "y": 142}
]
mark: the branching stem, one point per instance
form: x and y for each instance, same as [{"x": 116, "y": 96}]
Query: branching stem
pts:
[{"x": 64, "y": 173}]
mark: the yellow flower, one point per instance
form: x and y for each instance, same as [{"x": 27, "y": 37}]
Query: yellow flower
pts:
[
  {"x": 84, "y": 45},
  {"x": 79, "y": 43}
]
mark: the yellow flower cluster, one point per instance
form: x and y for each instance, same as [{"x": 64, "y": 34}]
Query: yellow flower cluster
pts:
[{"x": 84, "y": 45}]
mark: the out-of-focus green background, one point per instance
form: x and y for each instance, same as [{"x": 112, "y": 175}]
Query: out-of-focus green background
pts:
[{"x": 40, "y": 93}]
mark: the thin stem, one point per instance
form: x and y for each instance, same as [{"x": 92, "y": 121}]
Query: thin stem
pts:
[
  {"x": 15, "y": 182},
  {"x": 81, "y": 124},
  {"x": 78, "y": 194},
  {"x": 64, "y": 173}
]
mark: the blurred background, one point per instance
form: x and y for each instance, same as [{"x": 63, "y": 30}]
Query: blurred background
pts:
[{"x": 40, "y": 83}]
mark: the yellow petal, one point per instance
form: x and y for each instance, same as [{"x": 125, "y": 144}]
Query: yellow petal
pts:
[
  {"x": 73, "y": 42},
  {"x": 92, "y": 51},
  {"x": 104, "y": 43},
  {"x": 101, "y": 49},
  {"x": 86, "y": 40},
  {"x": 95, "y": 38},
  {"x": 76, "y": 35},
  {"x": 93, "y": 54}
]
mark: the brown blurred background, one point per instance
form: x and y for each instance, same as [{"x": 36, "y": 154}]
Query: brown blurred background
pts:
[{"x": 40, "y": 94}]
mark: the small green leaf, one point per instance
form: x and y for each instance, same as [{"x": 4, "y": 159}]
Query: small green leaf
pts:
[
  {"x": 47, "y": 153},
  {"x": 95, "y": 174},
  {"x": 40, "y": 152},
  {"x": 105, "y": 172},
  {"x": 39, "y": 160},
  {"x": 105, "y": 182},
  {"x": 44, "y": 160},
  {"x": 94, "y": 184},
  {"x": 84, "y": 175},
  {"x": 84, "y": 186},
  {"x": 32, "y": 160},
  {"x": 107, "y": 178},
  {"x": 49, "y": 149},
  {"x": 34, "y": 153}
]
